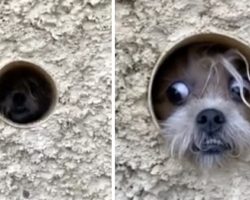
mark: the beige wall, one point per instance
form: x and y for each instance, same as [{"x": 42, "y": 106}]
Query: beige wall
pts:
[
  {"x": 145, "y": 28},
  {"x": 68, "y": 157}
]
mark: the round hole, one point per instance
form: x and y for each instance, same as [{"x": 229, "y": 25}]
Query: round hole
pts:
[
  {"x": 27, "y": 93},
  {"x": 165, "y": 65}
]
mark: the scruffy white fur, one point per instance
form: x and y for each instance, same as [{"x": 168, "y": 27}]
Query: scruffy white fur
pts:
[{"x": 182, "y": 135}]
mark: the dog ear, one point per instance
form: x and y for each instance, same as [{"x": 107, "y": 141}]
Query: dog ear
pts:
[
  {"x": 32, "y": 85},
  {"x": 36, "y": 87}
]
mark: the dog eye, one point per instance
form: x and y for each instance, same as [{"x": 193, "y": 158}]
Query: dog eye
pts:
[
  {"x": 177, "y": 92},
  {"x": 235, "y": 90}
]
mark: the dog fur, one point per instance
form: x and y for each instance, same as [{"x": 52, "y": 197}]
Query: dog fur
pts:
[{"x": 207, "y": 70}]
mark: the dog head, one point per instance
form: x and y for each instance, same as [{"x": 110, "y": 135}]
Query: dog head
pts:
[
  {"x": 200, "y": 97},
  {"x": 23, "y": 96}
]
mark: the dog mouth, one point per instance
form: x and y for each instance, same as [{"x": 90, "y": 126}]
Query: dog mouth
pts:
[
  {"x": 211, "y": 146},
  {"x": 20, "y": 110},
  {"x": 20, "y": 114}
]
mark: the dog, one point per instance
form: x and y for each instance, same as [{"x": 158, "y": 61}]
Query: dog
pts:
[
  {"x": 201, "y": 96},
  {"x": 24, "y": 95}
]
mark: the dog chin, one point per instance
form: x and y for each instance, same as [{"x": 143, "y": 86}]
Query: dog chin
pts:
[
  {"x": 19, "y": 118},
  {"x": 209, "y": 161}
]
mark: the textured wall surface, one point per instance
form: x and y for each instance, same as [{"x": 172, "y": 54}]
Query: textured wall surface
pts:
[
  {"x": 67, "y": 157},
  {"x": 144, "y": 29}
]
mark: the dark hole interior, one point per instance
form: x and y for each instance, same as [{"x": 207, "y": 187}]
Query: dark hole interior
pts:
[{"x": 26, "y": 94}]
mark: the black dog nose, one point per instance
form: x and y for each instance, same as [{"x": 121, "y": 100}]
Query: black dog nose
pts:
[
  {"x": 210, "y": 120},
  {"x": 19, "y": 98}
]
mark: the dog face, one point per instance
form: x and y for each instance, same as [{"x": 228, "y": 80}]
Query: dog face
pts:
[
  {"x": 23, "y": 97},
  {"x": 200, "y": 97}
]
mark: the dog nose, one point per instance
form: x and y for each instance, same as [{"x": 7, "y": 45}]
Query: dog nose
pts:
[
  {"x": 210, "y": 120},
  {"x": 19, "y": 98}
]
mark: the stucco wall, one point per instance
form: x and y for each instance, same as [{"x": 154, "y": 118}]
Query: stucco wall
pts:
[
  {"x": 69, "y": 155},
  {"x": 144, "y": 29}
]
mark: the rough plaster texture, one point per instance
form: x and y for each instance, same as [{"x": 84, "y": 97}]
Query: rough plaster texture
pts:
[
  {"x": 68, "y": 156},
  {"x": 144, "y": 29}
]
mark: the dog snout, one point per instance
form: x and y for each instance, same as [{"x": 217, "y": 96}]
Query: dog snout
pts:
[
  {"x": 19, "y": 98},
  {"x": 210, "y": 120}
]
